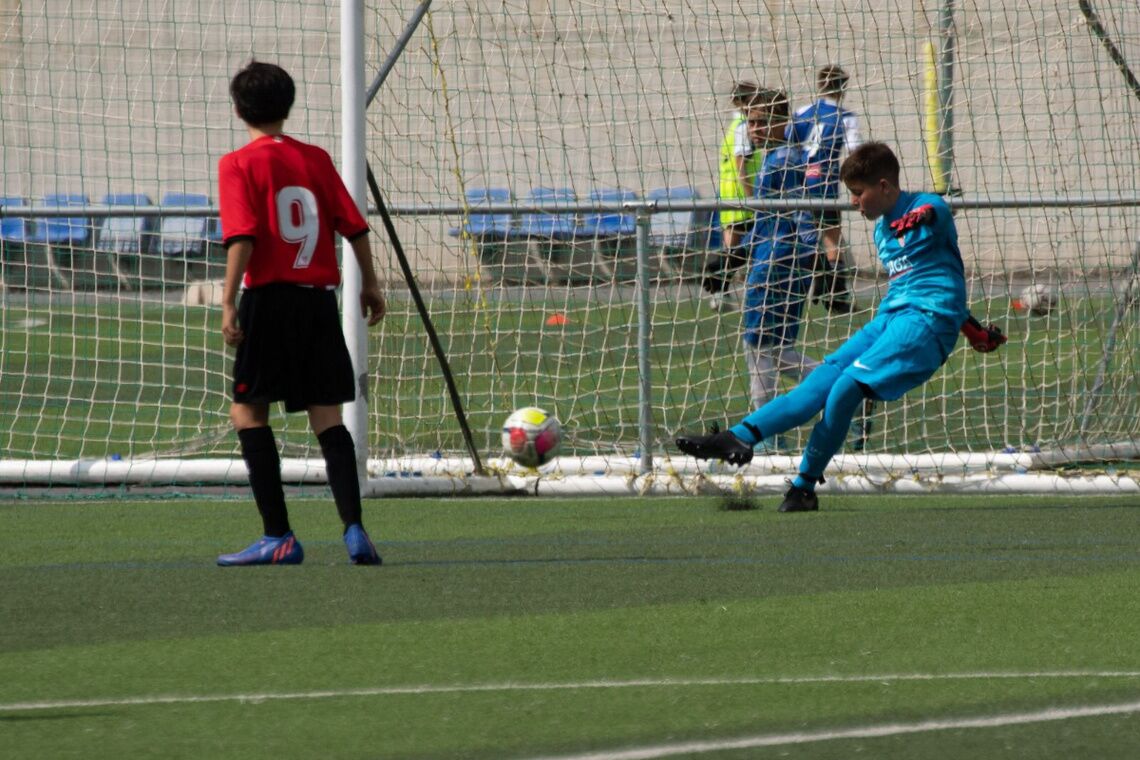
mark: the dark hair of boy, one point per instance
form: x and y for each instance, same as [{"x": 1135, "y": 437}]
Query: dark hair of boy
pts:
[
  {"x": 869, "y": 163},
  {"x": 743, "y": 93},
  {"x": 775, "y": 102},
  {"x": 831, "y": 80},
  {"x": 262, "y": 93}
]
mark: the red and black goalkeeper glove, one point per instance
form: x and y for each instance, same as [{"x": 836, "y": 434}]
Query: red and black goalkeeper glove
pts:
[
  {"x": 982, "y": 338},
  {"x": 911, "y": 219}
]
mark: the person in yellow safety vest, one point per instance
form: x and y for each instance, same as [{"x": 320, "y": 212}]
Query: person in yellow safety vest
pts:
[{"x": 739, "y": 163}]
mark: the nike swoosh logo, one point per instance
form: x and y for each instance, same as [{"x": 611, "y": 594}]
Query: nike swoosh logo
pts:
[{"x": 859, "y": 365}]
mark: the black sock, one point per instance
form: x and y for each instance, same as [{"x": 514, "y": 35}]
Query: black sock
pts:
[
  {"x": 720, "y": 269},
  {"x": 340, "y": 464},
  {"x": 259, "y": 450},
  {"x": 736, "y": 258},
  {"x": 714, "y": 280}
]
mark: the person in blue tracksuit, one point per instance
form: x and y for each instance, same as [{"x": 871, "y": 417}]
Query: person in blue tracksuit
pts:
[
  {"x": 824, "y": 129},
  {"x": 781, "y": 245}
]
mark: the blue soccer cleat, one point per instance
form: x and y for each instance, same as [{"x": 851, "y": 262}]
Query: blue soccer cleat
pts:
[
  {"x": 267, "y": 550},
  {"x": 360, "y": 548}
]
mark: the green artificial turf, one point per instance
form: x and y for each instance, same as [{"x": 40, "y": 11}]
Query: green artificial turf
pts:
[
  {"x": 134, "y": 378},
  {"x": 503, "y": 628}
]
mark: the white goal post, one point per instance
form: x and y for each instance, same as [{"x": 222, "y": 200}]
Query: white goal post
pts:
[{"x": 551, "y": 169}]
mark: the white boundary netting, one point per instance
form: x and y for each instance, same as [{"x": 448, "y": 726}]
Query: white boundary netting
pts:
[{"x": 111, "y": 366}]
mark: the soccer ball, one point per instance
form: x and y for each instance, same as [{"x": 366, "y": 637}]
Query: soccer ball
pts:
[
  {"x": 531, "y": 436},
  {"x": 1038, "y": 299}
]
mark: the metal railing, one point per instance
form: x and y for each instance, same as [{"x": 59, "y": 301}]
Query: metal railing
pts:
[{"x": 35, "y": 210}]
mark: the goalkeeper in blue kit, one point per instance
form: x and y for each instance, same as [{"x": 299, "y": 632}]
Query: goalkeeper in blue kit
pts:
[{"x": 911, "y": 336}]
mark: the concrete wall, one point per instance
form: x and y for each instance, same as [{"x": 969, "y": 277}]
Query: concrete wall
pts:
[{"x": 130, "y": 95}]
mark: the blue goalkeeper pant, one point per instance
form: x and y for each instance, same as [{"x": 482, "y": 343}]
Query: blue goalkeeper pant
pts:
[
  {"x": 894, "y": 353},
  {"x": 827, "y": 389}
]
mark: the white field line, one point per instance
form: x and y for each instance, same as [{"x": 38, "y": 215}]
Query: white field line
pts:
[
  {"x": 865, "y": 732},
  {"x": 179, "y": 699}
]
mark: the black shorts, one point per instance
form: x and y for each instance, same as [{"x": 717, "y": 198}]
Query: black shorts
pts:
[{"x": 293, "y": 349}]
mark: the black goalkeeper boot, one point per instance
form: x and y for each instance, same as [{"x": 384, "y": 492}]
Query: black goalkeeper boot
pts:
[
  {"x": 718, "y": 444},
  {"x": 799, "y": 500}
]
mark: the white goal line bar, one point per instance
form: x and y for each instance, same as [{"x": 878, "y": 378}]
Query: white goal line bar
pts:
[{"x": 980, "y": 472}]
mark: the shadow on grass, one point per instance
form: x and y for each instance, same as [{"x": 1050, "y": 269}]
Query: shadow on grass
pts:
[{"x": 28, "y": 717}]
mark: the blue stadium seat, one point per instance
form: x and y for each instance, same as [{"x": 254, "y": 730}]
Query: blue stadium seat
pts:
[
  {"x": 551, "y": 226},
  {"x": 15, "y": 236},
  {"x": 613, "y": 235},
  {"x": 58, "y": 240},
  {"x": 672, "y": 228},
  {"x": 502, "y": 254},
  {"x": 125, "y": 234},
  {"x": 122, "y": 244},
  {"x": 184, "y": 236},
  {"x": 558, "y": 249},
  {"x": 59, "y": 230},
  {"x": 14, "y": 229},
  {"x": 186, "y": 242},
  {"x": 214, "y": 230},
  {"x": 609, "y": 223},
  {"x": 681, "y": 237},
  {"x": 486, "y": 226}
]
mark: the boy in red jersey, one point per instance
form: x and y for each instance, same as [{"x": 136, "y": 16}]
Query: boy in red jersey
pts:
[{"x": 282, "y": 204}]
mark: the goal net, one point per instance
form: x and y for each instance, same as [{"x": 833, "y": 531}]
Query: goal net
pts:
[{"x": 530, "y": 152}]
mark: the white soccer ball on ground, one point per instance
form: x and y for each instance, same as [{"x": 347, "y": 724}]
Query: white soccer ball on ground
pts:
[
  {"x": 531, "y": 437},
  {"x": 1038, "y": 299}
]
